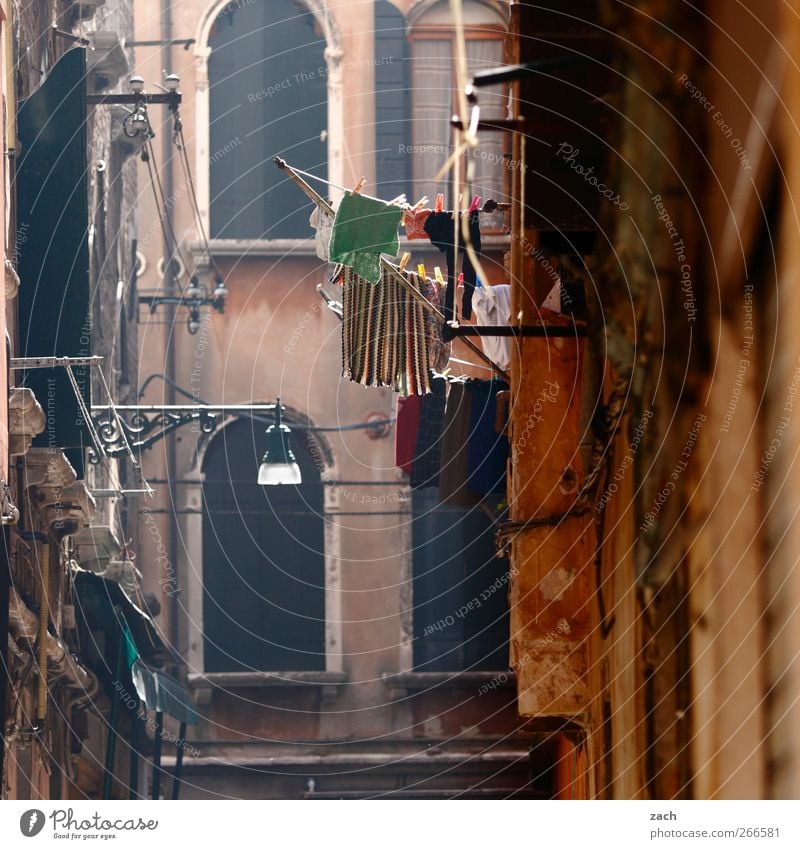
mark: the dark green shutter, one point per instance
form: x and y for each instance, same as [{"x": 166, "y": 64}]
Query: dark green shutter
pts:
[
  {"x": 268, "y": 97},
  {"x": 51, "y": 242},
  {"x": 392, "y": 102}
]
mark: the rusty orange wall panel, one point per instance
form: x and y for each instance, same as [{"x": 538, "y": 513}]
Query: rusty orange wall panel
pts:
[{"x": 551, "y": 563}]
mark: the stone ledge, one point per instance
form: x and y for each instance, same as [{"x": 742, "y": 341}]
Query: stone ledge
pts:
[
  {"x": 205, "y": 684},
  {"x": 404, "y": 682}
]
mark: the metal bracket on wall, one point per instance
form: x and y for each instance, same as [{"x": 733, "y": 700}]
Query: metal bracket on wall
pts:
[
  {"x": 140, "y": 427},
  {"x": 542, "y": 330}
]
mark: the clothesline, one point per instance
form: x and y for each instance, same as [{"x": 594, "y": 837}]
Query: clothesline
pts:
[
  {"x": 388, "y": 267},
  {"x": 490, "y": 206},
  {"x": 326, "y": 182}
]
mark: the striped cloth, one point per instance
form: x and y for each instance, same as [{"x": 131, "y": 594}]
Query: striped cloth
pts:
[{"x": 384, "y": 335}]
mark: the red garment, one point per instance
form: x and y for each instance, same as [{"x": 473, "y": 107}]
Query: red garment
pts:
[
  {"x": 414, "y": 221},
  {"x": 406, "y": 429}
]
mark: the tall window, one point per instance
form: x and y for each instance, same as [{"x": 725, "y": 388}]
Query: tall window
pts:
[
  {"x": 460, "y": 589},
  {"x": 263, "y": 560},
  {"x": 392, "y": 101},
  {"x": 268, "y": 96},
  {"x": 433, "y": 94}
]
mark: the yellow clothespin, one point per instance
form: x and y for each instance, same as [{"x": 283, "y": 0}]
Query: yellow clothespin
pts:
[
  {"x": 359, "y": 185},
  {"x": 404, "y": 261},
  {"x": 437, "y": 273},
  {"x": 421, "y": 272}
]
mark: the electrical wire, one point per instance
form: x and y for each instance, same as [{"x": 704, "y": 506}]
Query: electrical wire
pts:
[
  {"x": 183, "y": 158},
  {"x": 161, "y": 204}
]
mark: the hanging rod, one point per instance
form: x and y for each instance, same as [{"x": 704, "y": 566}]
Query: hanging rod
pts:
[{"x": 542, "y": 330}]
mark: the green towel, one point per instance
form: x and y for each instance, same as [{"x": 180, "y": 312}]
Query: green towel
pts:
[{"x": 364, "y": 229}]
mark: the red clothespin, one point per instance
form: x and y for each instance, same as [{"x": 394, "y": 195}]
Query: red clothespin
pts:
[
  {"x": 439, "y": 203},
  {"x": 460, "y": 280},
  {"x": 476, "y": 202}
]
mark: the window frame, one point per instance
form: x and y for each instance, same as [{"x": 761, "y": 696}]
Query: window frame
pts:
[{"x": 472, "y": 32}]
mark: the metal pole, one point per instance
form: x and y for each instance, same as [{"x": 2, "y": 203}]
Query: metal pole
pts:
[
  {"x": 133, "y": 774},
  {"x": 176, "y": 779},
  {"x": 157, "y": 755},
  {"x": 111, "y": 745}
]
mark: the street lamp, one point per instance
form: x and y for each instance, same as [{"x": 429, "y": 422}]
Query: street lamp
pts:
[
  {"x": 278, "y": 466},
  {"x": 120, "y": 430}
]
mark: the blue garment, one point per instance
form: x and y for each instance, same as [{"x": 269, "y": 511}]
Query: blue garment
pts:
[
  {"x": 428, "y": 448},
  {"x": 487, "y": 451}
]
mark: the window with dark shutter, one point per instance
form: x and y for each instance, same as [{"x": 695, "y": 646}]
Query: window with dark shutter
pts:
[
  {"x": 392, "y": 102},
  {"x": 268, "y": 97},
  {"x": 263, "y": 559}
]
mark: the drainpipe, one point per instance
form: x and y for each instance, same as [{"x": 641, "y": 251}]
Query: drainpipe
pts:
[{"x": 169, "y": 326}]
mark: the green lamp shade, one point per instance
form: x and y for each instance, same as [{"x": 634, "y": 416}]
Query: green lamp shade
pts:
[{"x": 279, "y": 466}]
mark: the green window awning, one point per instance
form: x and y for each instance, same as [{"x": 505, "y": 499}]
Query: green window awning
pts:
[{"x": 113, "y": 623}]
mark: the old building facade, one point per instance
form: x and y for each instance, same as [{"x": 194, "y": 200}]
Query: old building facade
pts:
[{"x": 622, "y": 623}]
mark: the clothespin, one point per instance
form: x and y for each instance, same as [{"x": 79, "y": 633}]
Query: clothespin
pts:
[
  {"x": 359, "y": 185},
  {"x": 404, "y": 261},
  {"x": 439, "y": 203},
  {"x": 400, "y": 200},
  {"x": 421, "y": 272},
  {"x": 420, "y": 203},
  {"x": 460, "y": 280},
  {"x": 476, "y": 202},
  {"x": 437, "y": 273}
]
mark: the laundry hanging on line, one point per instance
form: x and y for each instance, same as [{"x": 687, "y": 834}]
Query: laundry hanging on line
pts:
[
  {"x": 384, "y": 335},
  {"x": 440, "y": 229},
  {"x": 322, "y": 221},
  {"x": 388, "y": 337},
  {"x": 363, "y": 229},
  {"x": 493, "y": 309},
  {"x": 456, "y": 444}
]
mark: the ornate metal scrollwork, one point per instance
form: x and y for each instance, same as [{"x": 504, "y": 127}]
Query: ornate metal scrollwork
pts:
[{"x": 138, "y": 430}]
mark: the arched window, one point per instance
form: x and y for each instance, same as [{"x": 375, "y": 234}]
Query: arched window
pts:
[
  {"x": 268, "y": 96},
  {"x": 263, "y": 559}
]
